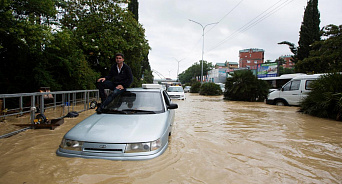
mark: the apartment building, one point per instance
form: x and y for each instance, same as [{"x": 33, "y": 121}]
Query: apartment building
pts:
[{"x": 250, "y": 58}]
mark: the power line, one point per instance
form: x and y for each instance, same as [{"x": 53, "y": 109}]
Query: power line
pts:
[
  {"x": 225, "y": 15},
  {"x": 267, "y": 15},
  {"x": 262, "y": 16},
  {"x": 216, "y": 24}
]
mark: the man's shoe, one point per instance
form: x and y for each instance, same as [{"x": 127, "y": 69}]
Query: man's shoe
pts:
[{"x": 99, "y": 110}]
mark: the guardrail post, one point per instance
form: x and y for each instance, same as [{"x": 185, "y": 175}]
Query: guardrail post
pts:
[
  {"x": 42, "y": 104},
  {"x": 74, "y": 101},
  {"x": 63, "y": 103},
  {"x": 68, "y": 102},
  {"x": 85, "y": 100},
  {"x": 21, "y": 105},
  {"x": 54, "y": 101},
  {"x": 33, "y": 108},
  {"x": 88, "y": 99}
]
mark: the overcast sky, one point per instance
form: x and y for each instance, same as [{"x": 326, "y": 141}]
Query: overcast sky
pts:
[{"x": 242, "y": 24}]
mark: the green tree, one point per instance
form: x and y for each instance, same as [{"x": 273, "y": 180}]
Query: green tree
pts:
[
  {"x": 244, "y": 86},
  {"x": 308, "y": 34},
  {"x": 24, "y": 32},
  {"x": 66, "y": 64},
  {"x": 195, "y": 86},
  {"x": 195, "y": 70},
  {"x": 326, "y": 54},
  {"x": 211, "y": 89},
  {"x": 133, "y": 6},
  {"x": 78, "y": 50},
  {"x": 309, "y": 30},
  {"x": 325, "y": 99},
  {"x": 293, "y": 48},
  {"x": 147, "y": 74},
  {"x": 103, "y": 28}
]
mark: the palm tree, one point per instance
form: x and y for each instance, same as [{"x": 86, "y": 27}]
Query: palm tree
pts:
[
  {"x": 325, "y": 99},
  {"x": 244, "y": 86},
  {"x": 293, "y": 48}
]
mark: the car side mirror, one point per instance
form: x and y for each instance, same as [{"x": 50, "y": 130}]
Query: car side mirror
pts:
[{"x": 172, "y": 106}]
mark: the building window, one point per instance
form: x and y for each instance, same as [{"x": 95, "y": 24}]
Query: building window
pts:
[
  {"x": 248, "y": 61},
  {"x": 255, "y": 62}
]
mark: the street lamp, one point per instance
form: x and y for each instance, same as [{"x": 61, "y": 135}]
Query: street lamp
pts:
[
  {"x": 178, "y": 67},
  {"x": 203, "y": 27}
]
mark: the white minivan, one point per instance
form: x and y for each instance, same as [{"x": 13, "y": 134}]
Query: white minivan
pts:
[{"x": 293, "y": 92}]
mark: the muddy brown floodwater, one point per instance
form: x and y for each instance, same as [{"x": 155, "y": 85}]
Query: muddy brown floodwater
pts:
[{"x": 213, "y": 141}]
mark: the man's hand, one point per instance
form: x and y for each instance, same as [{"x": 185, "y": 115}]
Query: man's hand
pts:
[
  {"x": 101, "y": 79},
  {"x": 120, "y": 87}
]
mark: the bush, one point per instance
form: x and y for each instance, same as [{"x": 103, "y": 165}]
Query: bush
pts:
[
  {"x": 244, "y": 86},
  {"x": 195, "y": 87},
  {"x": 210, "y": 88},
  {"x": 325, "y": 99}
]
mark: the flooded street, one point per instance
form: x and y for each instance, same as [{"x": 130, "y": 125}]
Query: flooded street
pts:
[{"x": 213, "y": 141}]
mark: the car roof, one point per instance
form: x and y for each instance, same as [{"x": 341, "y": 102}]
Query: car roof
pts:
[{"x": 302, "y": 77}]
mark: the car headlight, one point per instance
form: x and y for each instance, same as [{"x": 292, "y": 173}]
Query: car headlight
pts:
[
  {"x": 143, "y": 146},
  {"x": 71, "y": 145}
]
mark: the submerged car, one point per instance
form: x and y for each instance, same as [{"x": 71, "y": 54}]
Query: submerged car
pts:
[
  {"x": 176, "y": 92},
  {"x": 136, "y": 125}
]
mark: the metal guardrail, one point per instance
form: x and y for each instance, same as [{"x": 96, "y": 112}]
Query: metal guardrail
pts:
[{"x": 40, "y": 101}]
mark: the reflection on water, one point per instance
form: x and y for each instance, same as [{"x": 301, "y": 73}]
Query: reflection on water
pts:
[{"x": 213, "y": 141}]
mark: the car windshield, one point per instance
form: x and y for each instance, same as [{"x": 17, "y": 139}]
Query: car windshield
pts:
[
  {"x": 175, "y": 89},
  {"x": 137, "y": 102}
]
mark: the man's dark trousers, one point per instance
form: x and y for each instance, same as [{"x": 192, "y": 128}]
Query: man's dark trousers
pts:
[{"x": 108, "y": 85}]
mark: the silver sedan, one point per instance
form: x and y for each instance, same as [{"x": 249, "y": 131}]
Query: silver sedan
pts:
[{"x": 134, "y": 126}]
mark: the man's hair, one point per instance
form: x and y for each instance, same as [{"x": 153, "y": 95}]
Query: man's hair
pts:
[{"x": 119, "y": 54}]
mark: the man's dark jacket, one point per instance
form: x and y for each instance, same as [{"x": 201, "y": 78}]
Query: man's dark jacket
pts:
[{"x": 125, "y": 77}]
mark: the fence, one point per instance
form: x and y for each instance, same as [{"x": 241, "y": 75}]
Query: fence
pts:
[{"x": 12, "y": 105}]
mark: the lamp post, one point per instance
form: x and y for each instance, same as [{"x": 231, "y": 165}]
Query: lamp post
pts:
[
  {"x": 203, "y": 27},
  {"x": 178, "y": 67}
]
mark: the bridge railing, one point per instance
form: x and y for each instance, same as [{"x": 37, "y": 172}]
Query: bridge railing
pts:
[{"x": 21, "y": 103}]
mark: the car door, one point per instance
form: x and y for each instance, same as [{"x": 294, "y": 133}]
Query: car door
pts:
[
  {"x": 170, "y": 112},
  {"x": 291, "y": 92}
]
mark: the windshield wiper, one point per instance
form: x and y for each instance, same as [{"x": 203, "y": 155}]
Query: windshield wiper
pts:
[
  {"x": 113, "y": 111},
  {"x": 132, "y": 111}
]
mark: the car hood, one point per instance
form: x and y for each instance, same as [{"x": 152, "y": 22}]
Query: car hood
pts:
[
  {"x": 175, "y": 93},
  {"x": 117, "y": 128}
]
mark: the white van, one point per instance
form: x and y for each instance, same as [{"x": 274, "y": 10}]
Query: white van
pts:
[{"x": 293, "y": 92}]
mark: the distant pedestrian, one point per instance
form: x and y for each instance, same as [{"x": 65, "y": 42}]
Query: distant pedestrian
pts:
[{"x": 119, "y": 78}]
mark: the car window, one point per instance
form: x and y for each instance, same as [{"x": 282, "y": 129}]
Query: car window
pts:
[
  {"x": 292, "y": 85},
  {"x": 308, "y": 84},
  {"x": 140, "y": 100},
  {"x": 287, "y": 86},
  {"x": 166, "y": 98},
  {"x": 175, "y": 89},
  {"x": 295, "y": 85}
]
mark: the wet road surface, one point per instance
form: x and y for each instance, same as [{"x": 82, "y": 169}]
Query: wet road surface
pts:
[{"x": 213, "y": 141}]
